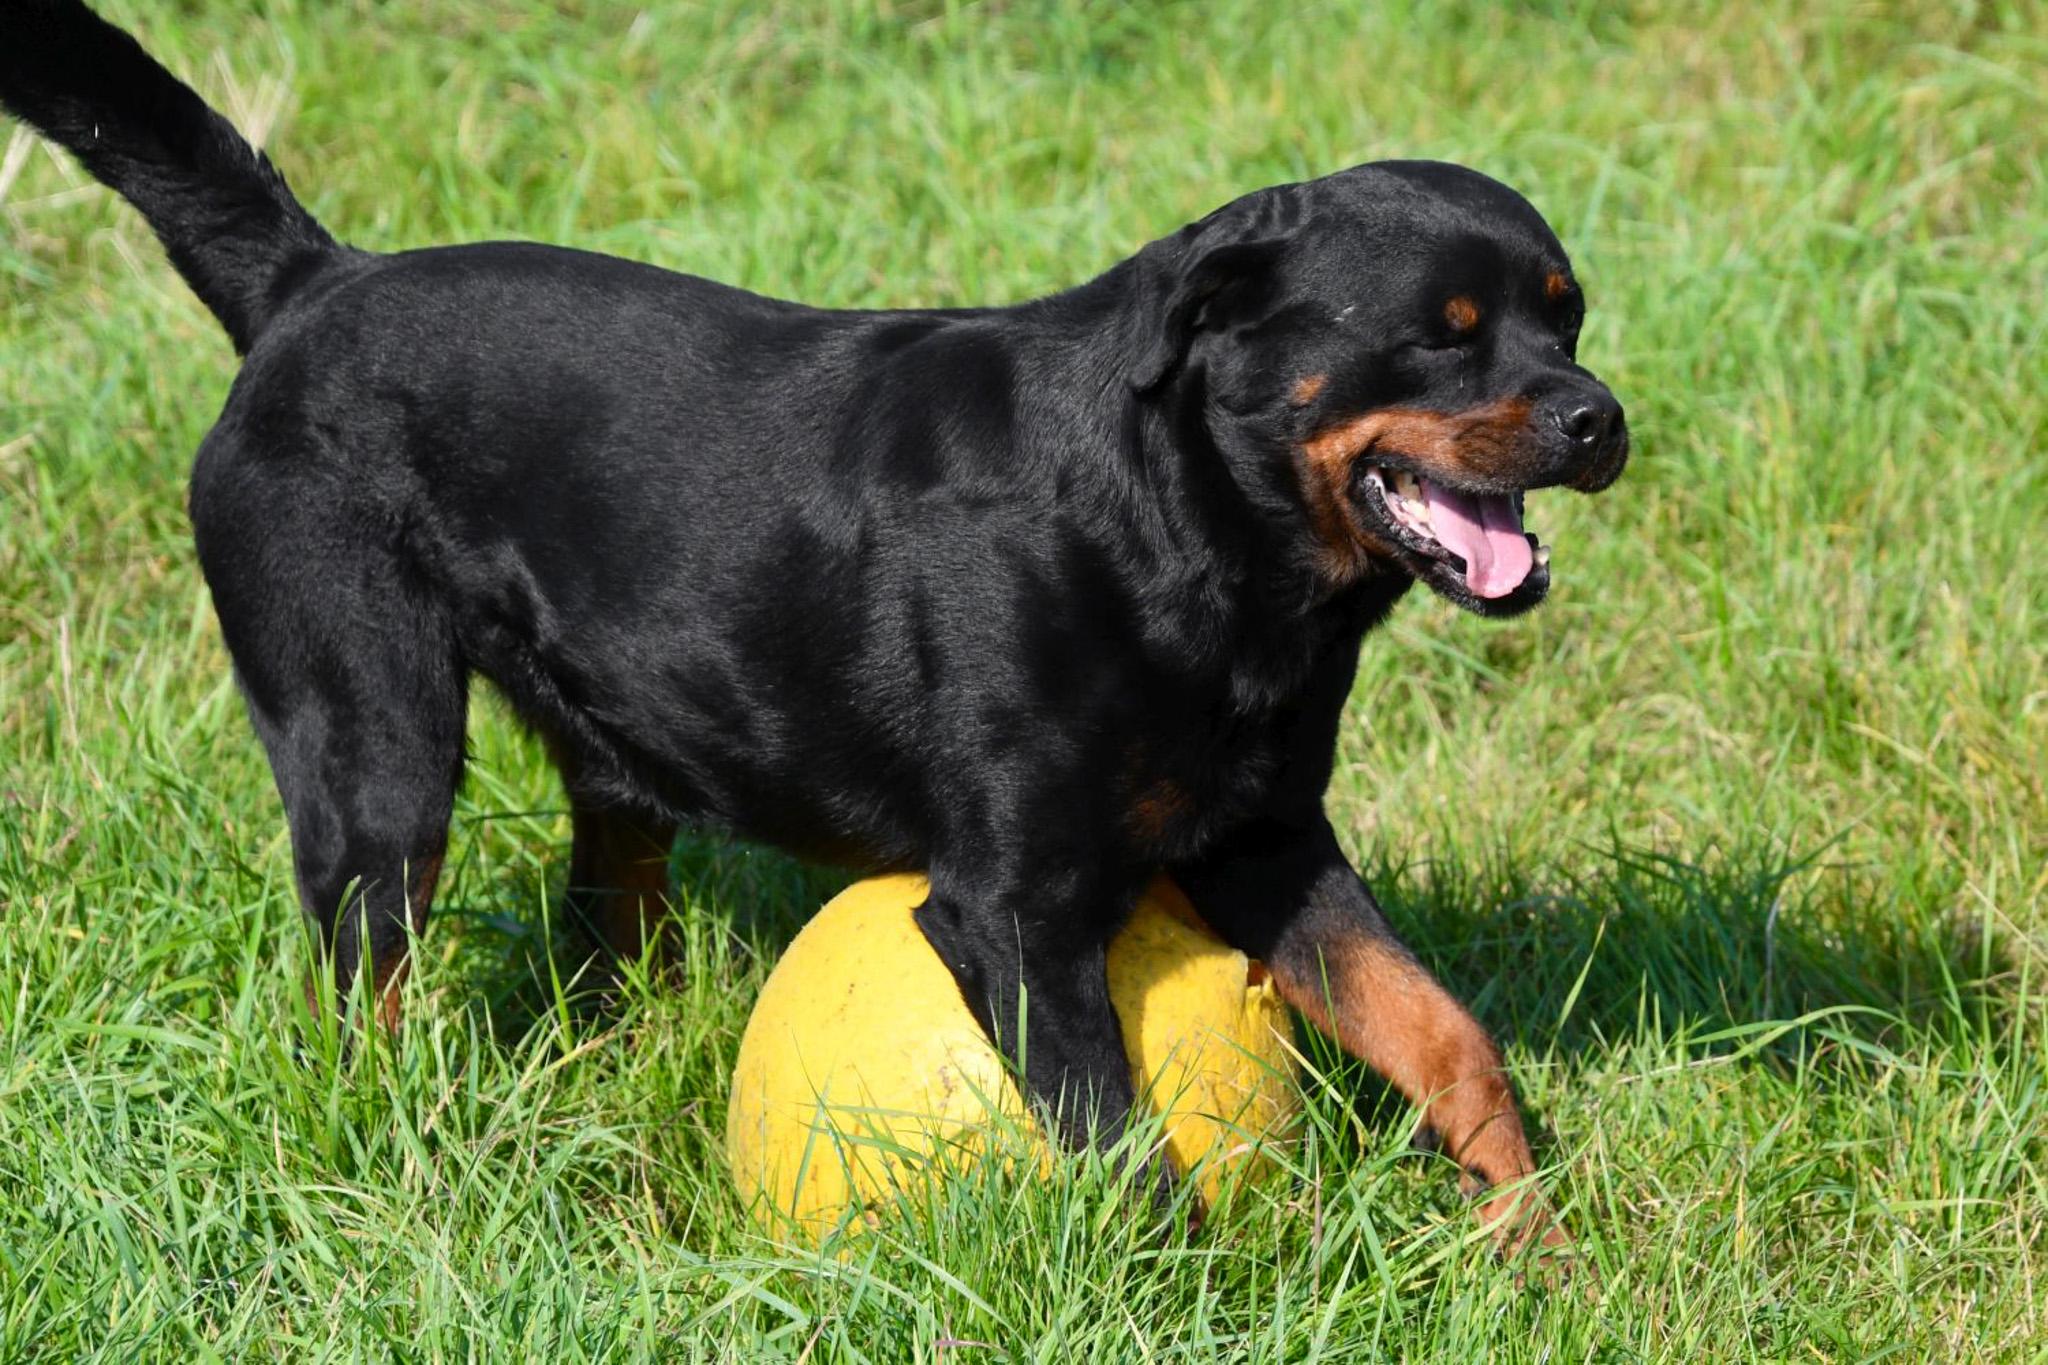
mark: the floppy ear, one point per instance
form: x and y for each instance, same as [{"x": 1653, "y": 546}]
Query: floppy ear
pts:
[{"x": 1209, "y": 274}]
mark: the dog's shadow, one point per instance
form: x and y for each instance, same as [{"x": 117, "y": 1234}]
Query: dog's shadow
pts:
[
  {"x": 1750, "y": 954},
  {"x": 1750, "y": 950},
  {"x": 525, "y": 961}
]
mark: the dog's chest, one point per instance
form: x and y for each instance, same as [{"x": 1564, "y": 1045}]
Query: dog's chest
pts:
[
  {"x": 1189, "y": 787},
  {"x": 1263, "y": 738}
]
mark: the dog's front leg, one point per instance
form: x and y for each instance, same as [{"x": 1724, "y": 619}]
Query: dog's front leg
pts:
[
  {"x": 1038, "y": 956},
  {"x": 1284, "y": 892}
]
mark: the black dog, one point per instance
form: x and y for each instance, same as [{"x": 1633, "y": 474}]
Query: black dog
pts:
[{"x": 1040, "y": 599}]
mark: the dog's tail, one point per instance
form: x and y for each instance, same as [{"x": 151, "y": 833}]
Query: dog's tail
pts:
[{"x": 230, "y": 223}]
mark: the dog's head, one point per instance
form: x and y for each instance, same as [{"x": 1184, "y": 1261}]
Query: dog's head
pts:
[{"x": 1386, "y": 359}]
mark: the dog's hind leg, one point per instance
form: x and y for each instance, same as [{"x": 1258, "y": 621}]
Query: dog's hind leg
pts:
[
  {"x": 367, "y": 754},
  {"x": 618, "y": 875},
  {"x": 618, "y": 860},
  {"x": 357, "y": 688}
]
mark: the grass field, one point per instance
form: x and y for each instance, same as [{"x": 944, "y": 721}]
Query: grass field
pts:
[{"x": 1739, "y": 843}]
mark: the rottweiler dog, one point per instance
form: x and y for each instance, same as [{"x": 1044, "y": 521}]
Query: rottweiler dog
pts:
[{"x": 1040, "y": 599}]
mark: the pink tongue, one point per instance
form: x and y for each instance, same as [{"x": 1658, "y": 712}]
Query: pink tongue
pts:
[{"x": 1484, "y": 530}]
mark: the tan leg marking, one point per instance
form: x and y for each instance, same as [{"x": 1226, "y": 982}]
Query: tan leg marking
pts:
[
  {"x": 388, "y": 983},
  {"x": 618, "y": 875},
  {"x": 1387, "y": 1010}
]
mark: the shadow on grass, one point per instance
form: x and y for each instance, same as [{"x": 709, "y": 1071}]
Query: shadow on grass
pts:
[
  {"x": 523, "y": 958},
  {"x": 1716, "y": 948},
  {"x": 1714, "y": 942},
  {"x": 1775, "y": 957}
]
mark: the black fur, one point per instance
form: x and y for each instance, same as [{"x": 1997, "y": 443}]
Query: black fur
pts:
[
  {"x": 1040, "y": 599},
  {"x": 220, "y": 208}
]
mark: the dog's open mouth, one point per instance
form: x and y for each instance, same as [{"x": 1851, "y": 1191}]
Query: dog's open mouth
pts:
[{"x": 1479, "y": 536}]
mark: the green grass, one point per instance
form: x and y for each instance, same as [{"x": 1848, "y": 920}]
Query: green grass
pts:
[{"x": 1739, "y": 843}]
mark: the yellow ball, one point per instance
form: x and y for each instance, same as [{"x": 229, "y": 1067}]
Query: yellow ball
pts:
[{"x": 861, "y": 1063}]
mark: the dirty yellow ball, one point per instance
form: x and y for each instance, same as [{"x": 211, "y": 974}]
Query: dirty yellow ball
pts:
[{"x": 861, "y": 1065}]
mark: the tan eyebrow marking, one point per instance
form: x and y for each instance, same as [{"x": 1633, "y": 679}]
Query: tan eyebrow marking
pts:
[
  {"x": 1307, "y": 387},
  {"x": 1556, "y": 285},
  {"x": 1462, "y": 314}
]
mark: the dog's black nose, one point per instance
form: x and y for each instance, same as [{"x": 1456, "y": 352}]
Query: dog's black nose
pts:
[{"x": 1588, "y": 421}]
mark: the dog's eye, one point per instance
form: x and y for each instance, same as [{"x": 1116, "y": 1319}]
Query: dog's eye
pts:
[{"x": 1573, "y": 317}]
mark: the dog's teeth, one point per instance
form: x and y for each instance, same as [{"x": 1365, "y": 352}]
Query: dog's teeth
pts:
[
  {"x": 1542, "y": 554},
  {"x": 1409, "y": 495}
]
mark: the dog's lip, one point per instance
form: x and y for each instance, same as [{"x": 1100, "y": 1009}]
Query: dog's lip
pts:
[
  {"x": 1373, "y": 485},
  {"x": 1408, "y": 524}
]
